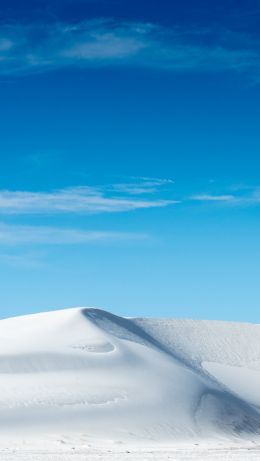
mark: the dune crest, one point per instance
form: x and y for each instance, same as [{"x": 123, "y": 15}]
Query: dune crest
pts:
[{"x": 87, "y": 370}]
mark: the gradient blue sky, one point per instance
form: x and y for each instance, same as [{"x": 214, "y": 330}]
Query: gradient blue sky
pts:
[{"x": 129, "y": 148}]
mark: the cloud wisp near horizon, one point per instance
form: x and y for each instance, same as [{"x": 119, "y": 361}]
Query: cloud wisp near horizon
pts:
[
  {"x": 136, "y": 194},
  {"x": 30, "y": 47},
  {"x": 111, "y": 198},
  {"x": 48, "y": 235},
  {"x": 237, "y": 196}
]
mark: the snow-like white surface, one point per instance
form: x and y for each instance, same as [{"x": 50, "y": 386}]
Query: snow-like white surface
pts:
[
  {"x": 66, "y": 449},
  {"x": 104, "y": 379},
  {"x": 243, "y": 381}
]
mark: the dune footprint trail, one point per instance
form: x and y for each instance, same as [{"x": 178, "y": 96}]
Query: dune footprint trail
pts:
[{"x": 91, "y": 372}]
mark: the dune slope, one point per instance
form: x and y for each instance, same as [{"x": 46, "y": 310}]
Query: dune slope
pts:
[{"x": 91, "y": 372}]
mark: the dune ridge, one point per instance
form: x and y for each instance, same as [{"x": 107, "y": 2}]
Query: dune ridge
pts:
[{"x": 88, "y": 371}]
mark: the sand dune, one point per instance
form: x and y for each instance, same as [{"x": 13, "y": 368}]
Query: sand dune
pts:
[{"x": 137, "y": 380}]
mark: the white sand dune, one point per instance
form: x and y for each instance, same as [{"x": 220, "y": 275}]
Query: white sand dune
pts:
[{"x": 86, "y": 371}]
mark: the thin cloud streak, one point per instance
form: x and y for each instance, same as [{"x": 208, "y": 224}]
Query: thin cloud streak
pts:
[
  {"x": 40, "y": 235},
  {"x": 73, "y": 200},
  {"x": 103, "y": 42},
  {"x": 141, "y": 186},
  {"x": 29, "y": 260},
  {"x": 244, "y": 196},
  {"x": 213, "y": 198}
]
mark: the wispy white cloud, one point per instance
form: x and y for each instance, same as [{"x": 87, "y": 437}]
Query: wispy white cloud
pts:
[
  {"x": 98, "y": 40},
  {"x": 213, "y": 198},
  {"x": 235, "y": 195},
  {"x": 25, "y": 48},
  {"x": 40, "y": 235},
  {"x": 26, "y": 260},
  {"x": 74, "y": 200},
  {"x": 48, "y": 46},
  {"x": 143, "y": 185},
  {"x": 248, "y": 195}
]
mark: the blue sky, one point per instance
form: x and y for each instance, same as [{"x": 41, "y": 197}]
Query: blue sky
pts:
[{"x": 129, "y": 153}]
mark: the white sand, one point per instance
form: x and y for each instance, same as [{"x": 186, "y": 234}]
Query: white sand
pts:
[{"x": 85, "y": 384}]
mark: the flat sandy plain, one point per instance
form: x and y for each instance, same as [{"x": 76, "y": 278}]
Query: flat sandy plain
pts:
[{"x": 181, "y": 453}]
